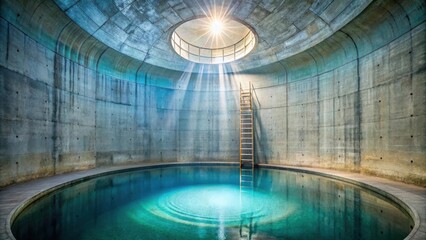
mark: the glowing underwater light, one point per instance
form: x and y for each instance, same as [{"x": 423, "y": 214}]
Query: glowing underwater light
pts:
[{"x": 213, "y": 205}]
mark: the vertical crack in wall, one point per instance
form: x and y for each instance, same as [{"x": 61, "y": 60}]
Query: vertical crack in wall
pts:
[
  {"x": 318, "y": 109},
  {"x": 56, "y": 111},
  {"x": 357, "y": 108}
]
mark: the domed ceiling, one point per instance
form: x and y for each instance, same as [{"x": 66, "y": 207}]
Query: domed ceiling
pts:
[{"x": 142, "y": 28}]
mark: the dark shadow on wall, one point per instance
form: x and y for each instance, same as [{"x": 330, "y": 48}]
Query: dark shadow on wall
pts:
[{"x": 261, "y": 146}]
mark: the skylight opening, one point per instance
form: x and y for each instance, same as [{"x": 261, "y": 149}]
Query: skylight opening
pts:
[{"x": 211, "y": 40}]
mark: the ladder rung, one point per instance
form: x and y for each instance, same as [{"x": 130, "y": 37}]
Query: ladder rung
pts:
[
  {"x": 247, "y": 185},
  {"x": 248, "y": 175}
]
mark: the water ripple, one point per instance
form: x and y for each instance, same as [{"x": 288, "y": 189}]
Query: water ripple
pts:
[{"x": 213, "y": 205}]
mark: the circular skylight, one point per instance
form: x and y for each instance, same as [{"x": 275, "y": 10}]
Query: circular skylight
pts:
[{"x": 212, "y": 40}]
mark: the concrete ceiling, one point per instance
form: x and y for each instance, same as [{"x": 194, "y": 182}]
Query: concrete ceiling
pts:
[{"x": 141, "y": 28}]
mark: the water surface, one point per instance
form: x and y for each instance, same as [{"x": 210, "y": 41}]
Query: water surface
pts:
[{"x": 205, "y": 202}]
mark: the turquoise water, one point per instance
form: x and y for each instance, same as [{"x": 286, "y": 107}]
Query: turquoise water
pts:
[{"x": 205, "y": 202}]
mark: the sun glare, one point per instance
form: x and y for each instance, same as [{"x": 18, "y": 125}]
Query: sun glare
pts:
[{"x": 216, "y": 27}]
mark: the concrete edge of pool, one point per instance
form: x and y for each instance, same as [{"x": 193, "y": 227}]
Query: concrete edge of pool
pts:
[{"x": 16, "y": 197}]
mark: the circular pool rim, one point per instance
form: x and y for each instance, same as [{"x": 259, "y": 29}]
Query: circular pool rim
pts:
[{"x": 332, "y": 174}]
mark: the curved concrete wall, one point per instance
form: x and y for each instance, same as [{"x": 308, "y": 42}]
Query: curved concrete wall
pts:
[{"x": 354, "y": 102}]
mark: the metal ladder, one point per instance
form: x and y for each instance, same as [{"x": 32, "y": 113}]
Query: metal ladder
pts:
[{"x": 246, "y": 139}]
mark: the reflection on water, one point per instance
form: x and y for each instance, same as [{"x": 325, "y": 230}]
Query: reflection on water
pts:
[{"x": 206, "y": 203}]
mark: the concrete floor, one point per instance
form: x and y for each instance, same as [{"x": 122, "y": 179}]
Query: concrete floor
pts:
[{"x": 14, "y": 197}]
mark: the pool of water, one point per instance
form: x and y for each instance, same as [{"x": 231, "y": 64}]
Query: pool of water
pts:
[{"x": 206, "y": 202}]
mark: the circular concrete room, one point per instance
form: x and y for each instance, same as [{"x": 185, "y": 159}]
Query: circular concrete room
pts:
[{"x": 208, "y": 119}]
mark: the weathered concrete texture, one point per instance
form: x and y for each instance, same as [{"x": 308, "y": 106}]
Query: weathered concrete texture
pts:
[
  {"x": 58, "y": 115},
  {"x": 72, "y": 117},
  {"x": 142, "y": 29},
  {"x": 356, "y": 101}
]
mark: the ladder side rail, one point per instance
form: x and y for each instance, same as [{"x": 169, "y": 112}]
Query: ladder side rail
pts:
[{"x": 241, "y": 140}]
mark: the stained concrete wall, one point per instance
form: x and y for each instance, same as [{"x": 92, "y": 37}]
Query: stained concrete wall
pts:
[
  {"x": 70, "y": 103},
  {"x": 59, "y": 116},
  {"x": 354, "y": 102}
]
